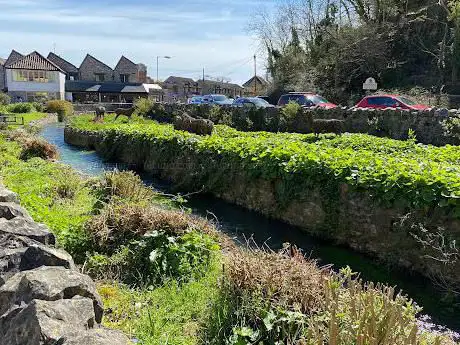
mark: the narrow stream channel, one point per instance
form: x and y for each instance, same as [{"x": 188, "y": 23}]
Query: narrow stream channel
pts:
[{"x": 243, "y": 224}]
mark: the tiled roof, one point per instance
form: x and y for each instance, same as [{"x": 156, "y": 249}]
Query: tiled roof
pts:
[
  {"x": 13, "y": 57},
  {"x": 90, "y": 57},
  {"x": 124, "y": 59},
  {"x": 260, "y": 79},
  {"x": 63, "y": 64},
  {"x": 173, "y": 79},
  {"x": 35, "y": 61},
  {"x": 220, "y": 84},
  {"x": 105, "y": 87}
]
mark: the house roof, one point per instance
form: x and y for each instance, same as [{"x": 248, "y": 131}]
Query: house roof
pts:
[
  {"x": 35, "y": 61},
  {"x": 89, "y": 56},
  {"x": 2, "y": 61},
  {"x": 220, "y": 83},
  {"x": 259, "y": 79},
  {"x": 63, "y": 64},
  {"x": 106, "y": 87},
  {"x": 13, "y": 57},
  {"x": 178, "y": 80},
  {"x": 122, "y": 59}
]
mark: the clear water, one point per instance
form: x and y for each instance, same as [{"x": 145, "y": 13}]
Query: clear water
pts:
[{"x": 245, "y": 226}]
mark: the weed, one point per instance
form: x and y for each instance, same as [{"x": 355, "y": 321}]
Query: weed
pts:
[{"x": 36, "y": 147}]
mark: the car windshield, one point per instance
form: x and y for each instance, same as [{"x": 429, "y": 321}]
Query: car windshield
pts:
[
  {"x": 259, "y": 101},
  {"x": 317, "y": 99},
  {"x": 219, "y": 98},
  {"x": 196, "y": 98},
  {"x": 407, "y": 101}
]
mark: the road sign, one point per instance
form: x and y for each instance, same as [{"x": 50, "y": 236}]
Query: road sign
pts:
[{"x": 370, "y": 84}]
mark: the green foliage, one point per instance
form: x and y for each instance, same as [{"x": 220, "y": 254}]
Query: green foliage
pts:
[
  {"x": 52, "y": 193},
  {"x": 4, "y": 99},
  {"x": 63, "y": 108},
  {"x": 20, "y": 108},
  {"x": 291, "y": 110},
  {"x": 143, "y": 106},
  {"x": 39, "y": 107},
  {"x": 390, "y": 170},
  {"x": 171, "y": 314}
]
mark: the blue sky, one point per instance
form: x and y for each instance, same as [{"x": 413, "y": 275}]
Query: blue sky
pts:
[{"x": 196, "y": 33}]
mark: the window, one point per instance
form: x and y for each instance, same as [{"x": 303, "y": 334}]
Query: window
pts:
[
  {"x": 124, "y": 78},
  {"x": 34, "y": 76},
  {"x": 382, "y": 101},
  {"x": 99, "y": 76}
]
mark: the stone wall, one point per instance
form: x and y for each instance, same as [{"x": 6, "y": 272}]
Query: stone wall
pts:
[
  {"x": 427, "y": 125},
  {"x": 44, "y": 299},
  {"x": 349, "y": 217}
]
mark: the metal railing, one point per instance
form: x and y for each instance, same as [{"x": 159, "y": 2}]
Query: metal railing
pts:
[{"x": 12, "y": 119}]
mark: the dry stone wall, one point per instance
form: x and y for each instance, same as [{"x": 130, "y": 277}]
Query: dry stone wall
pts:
[{"x": 44, "y": 299}]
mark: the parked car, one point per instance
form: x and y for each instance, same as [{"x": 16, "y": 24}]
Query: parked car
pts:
[
  {"x": 195, "y": 100},
  {"x": 252, "y": 102},
  {"x": 266, "y": 98},
  {"x": 216, "y": 99},
  {"x": 390, "y": 101},
  {"x": 306, "y": 99}
]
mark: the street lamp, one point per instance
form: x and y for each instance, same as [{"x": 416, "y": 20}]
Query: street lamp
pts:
[{"x": 158, "y": 58}]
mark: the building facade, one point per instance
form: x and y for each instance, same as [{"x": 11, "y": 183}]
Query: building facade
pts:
[
  {"x": 33, "y": 77},
  {"x": 256, "y": 86}
]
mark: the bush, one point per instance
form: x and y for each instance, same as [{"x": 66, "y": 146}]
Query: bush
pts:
[
  {"x": 62, "y": 108},
  {"x": 36, "y": 147},
  {"x": 40, "y": 107},
  {"x": 143, "y": 106},
  {"x": 4, "y": 99},
  {"x": 20, "y": 108}
]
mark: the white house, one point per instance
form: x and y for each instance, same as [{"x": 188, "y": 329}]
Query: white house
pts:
[{"x": 34, "y": 77}]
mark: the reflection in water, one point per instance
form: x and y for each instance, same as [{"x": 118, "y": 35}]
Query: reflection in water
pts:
[{"x": 243, "y": 224}]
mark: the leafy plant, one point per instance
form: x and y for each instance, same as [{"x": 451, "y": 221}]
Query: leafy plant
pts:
[
  {"x": 62, "y": 108},
  {"x": 4, "y": 99},
  {"x": 20, "y": 108}
]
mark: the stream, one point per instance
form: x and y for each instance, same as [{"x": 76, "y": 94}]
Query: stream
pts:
[{"x": 243, "y": 225}]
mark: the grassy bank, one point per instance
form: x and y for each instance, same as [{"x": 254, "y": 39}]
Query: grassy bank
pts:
[{"x": 165, "y": 280}]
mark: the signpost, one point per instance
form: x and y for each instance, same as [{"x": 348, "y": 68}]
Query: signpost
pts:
[{"x": 370, "y": 85}]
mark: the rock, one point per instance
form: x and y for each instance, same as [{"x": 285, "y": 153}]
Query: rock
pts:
[
  {"x": 99, "y": 336},
  {"x": 18, "y": 253},
  {"x": 7, "y": 195},
  {"x": 47, "y": 322},
  {"x": 11, "y": 210},
  {"x": 48, "y": 284},
  {"x": 27, "y": 228}
]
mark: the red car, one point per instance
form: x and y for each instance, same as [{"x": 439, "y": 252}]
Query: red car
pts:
[
  {"x": 390, "y": 101},
  {"x": 306, "y": 99}
]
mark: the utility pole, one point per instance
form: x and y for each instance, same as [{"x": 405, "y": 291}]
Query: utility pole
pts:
[
  {"x": 202, "y": 86},
  {"x": 255, "y": 75}
]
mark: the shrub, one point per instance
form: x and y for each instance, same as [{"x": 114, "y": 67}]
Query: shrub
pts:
[
  {"x": 291, "y": 110},
  {"x": 4, "y": 99},
  {"x": 36, "y": 147},
  {"x": 62, "y": 108},
  {"x": 118, "y": 223},
  {"x": 38, "y": 106},
  {"x": 3, "y": 126},
  {"x": 20, "y": 108},
  {"x": 143, "y": 106}
]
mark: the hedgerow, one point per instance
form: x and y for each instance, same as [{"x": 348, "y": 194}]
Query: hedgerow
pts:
[{"x": 390, "y": 170}]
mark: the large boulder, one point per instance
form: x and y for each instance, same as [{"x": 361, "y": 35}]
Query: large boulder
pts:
[
  {"x": 25, "y": 227},
  {"x": 99, "y": 336},
  {"x": 18, "y": 253},
  {"x": 7, "y": 195},
  {"x": 48, "y": 284},
  {"x": 10, "y": 210},
  {"x": 47, "y": 322}
]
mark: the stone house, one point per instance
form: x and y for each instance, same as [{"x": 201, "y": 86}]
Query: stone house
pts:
[
  {"x": 221, "y": 88},
  {"x": 180, "y": 88},
  {"x": 127, "y": 71},
  {"x": 70, "y": 70},
  {"x": 91, "y": 69},
  {"x": 256, "y": 86},
  {"x": 33, "y": 77}
]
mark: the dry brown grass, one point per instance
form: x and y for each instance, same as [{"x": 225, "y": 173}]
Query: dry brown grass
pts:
[
  {"x": 286, "y": 279},
  {"x": 117, "y": 223},
  {"x": 37, "y": 147}
]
